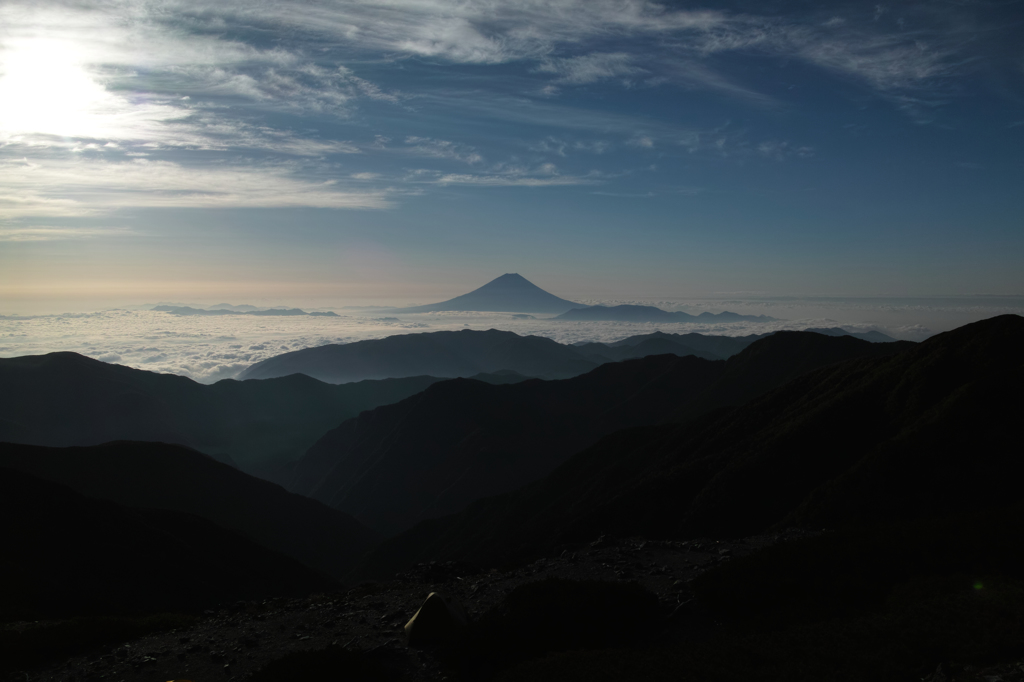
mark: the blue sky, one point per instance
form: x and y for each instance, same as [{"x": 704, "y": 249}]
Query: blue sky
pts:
[{"x": 416, "y": 149}]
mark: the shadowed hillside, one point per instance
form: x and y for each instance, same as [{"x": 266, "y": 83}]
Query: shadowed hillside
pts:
[
  {"x": 63, "y": 399},
  {"x": 433, "y": 453},
  {"x": 170, "y": 477},
  {"x": 915, "y": 434},
  {"x": 66, "y": 554},
  {"x": 460, "y": 440}
]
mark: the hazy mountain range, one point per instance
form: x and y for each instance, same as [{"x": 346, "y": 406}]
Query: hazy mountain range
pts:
[
  {"x": 469, "y": 352},
  {"x": 441, "y": 354},
  {"x": 647, "y": 313},
  {"x": 64, "y": 399}
]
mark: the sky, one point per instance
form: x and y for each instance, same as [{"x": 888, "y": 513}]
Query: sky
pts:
[{"x": 411, "y": 150}]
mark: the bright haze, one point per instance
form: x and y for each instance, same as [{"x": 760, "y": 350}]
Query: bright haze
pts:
[{"x": 406, "y": 152}]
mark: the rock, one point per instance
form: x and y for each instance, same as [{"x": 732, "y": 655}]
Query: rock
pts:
[{"x": 440, "y": 620}]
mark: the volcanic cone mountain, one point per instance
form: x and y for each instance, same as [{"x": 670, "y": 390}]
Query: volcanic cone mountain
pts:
[{"x": 510, "y": 293}]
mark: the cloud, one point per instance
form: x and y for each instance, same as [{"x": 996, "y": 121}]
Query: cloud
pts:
[
  {"x": 545, "y": 175},
  {"x": 41, "y": 233},
  {"x": 475, "y": 31},
  {"x": 442, "y": 149},
  {"x": 591, "y": 67},
  {"x": 241, "y": 103},
  {"x": 553, "y": 145},
  {"x": 82, "y": 187},
  {"x": 781, "y": 149}
]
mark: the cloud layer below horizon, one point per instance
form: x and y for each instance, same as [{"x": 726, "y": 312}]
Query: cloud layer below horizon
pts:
[{"x": 208, "y": 349}]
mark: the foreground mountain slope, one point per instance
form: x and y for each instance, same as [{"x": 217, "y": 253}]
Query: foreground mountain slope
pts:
[
  {"x": 461, "y": 440},
  {"x": 174, "y": 478},
  {"x": 65, "y": 399},
  {"x": 439, "y": 354},
  {"x": 510, "y": 293},
  {"x": 778, "y": 358},
  {"x": 915, "y": 434},
  {"x": 66, "y": 554}
]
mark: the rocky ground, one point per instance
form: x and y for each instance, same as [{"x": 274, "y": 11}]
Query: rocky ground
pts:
[{"x": 233, "y": 642}]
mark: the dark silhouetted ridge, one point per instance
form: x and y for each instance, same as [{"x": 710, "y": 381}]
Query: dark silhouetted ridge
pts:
[
  {"x": 928, "y": 431},
  {"x": 174, "y": 478},
  {"x": 66, "y": 554},
  {"x": 435, "y": 452},
  {"x": 65, "y": 399}
]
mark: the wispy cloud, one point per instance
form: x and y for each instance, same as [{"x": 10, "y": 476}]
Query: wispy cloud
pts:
[
  {"x": 442, "y": 149},
  {"x": 41, "y": 233},
  {"x": 590, "y": 68},
  {"x": 505, "y": 175},
  {"x": 82, "y": 187},
  {"x": 554, "y": 145},
  {"x": 240, "y": 103}
]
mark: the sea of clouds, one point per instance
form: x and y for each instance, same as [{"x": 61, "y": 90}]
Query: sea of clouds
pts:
[{"x": 208, "y": 349}]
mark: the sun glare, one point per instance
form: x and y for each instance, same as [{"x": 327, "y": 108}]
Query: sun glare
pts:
[{"x": 46, "y": 89}]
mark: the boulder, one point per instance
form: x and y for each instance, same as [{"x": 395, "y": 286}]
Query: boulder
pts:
[{"x": 441, "y": 620}]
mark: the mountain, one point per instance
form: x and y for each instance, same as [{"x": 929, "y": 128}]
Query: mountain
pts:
[
  {"x": 600, "y": 352},
  {"x": 435, "y": 452},
  {"x": 928, "y": 431},
  {"x": 177, "y": 479},
  {"x": 63, "y": 399},
  {"x": 721, "y": 346},
  {"x": 872, "y": 336},
  {"x": 66, "y": 554},
  {"x": 510, "y": 293},
  {"x": 439, "y": 354},
  {"x": 647, "y": 313}
]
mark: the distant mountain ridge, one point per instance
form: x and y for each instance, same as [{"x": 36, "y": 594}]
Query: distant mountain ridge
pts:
[
  {"x": 647, "y": 313},
  {"x": 470, "y": 352},
  {"x": 510, "y": 293},
  {"x": 440, "y": 354}
]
